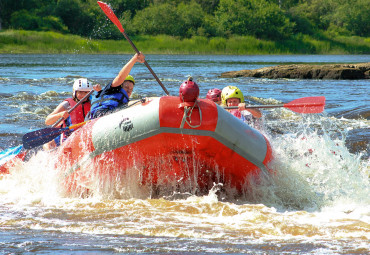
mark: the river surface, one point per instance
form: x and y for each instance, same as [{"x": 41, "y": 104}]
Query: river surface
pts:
[{"x": 316, "y": 203}]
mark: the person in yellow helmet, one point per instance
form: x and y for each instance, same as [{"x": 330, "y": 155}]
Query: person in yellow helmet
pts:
[
  {"x": 233, "y": 96},
  {"x": 115, "y": 94}
]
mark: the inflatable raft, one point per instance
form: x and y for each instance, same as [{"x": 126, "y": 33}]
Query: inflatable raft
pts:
[{"x": 165, "y": 143}]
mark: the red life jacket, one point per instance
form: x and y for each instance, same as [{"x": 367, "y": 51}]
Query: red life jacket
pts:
[
  {"x": 236, "y": 113},
  {"x": 78, "y": 114}
]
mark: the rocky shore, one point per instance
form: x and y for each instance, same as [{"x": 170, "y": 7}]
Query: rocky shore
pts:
[{"x": 305, "y": 71}]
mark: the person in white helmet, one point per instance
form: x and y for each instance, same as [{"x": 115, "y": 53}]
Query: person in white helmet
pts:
[{"x": 81, "y": 87}]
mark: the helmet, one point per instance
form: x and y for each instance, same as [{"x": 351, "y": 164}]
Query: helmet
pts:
[
  {"x": 214, "y": 95},
  {"x": 82, "y": 84},
  {"x": 231, "y": 92},
  {"x": 189, "y": 91},
  {"x": 130, "y": 78}
]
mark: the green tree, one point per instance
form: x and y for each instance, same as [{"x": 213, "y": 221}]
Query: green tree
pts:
[
  {"x": 252, "y": 17},
  {"x": 182, "y": 20},
  {"x": 269, "y": 19},
  {"x": 342, "y": 16},
  {"x": 157, "y": 19},
  {"x": 355, "y": 17},
  {"x": 123, "y": 6},
  {"x": 24, "y": 20},
  {"x": 318, "y": 12},
  {"x": 52, "y": 23},
  {"x": 208, "y": 6},
  {"x": 8, "y": 7},
  {"x": 75, "y": 16},
  {"x": 189, "y": 18}
]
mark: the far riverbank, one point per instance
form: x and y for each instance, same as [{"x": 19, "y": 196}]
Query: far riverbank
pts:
[
  {"x": 19, "y": 41},
  {"x": 305, "y": 71}
]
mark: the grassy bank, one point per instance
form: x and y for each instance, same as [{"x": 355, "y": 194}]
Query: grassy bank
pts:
[{"x": 18, "y": 41}]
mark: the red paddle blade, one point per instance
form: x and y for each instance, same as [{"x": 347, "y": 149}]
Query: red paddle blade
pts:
[
  {"x": 307, "y": 105},
  {"x": 110, "y": 14}
]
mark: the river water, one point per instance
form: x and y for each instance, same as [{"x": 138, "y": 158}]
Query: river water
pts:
[{"x": 317, "y": 202}]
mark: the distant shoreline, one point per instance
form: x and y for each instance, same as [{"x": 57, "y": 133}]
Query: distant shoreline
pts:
[
  {"x": 307, "y": 71},
  {"x": 33, "y": 42}
]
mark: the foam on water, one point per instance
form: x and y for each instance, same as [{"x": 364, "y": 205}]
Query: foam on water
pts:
[
  {"x": 316, "y": 197},
  {"x": 312, "y": 167}
]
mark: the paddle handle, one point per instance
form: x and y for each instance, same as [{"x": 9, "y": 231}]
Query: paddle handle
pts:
[{"x": 74, "y": 107}]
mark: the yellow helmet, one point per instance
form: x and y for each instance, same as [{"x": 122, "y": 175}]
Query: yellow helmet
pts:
[
  {"x": 130, "y": 78},
  {"x": 231, "y": 92}
]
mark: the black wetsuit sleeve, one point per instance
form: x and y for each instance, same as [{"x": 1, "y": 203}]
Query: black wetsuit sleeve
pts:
[{"x": 108, "y": 89}]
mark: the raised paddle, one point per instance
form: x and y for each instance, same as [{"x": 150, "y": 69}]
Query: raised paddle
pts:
[
  {"x": 300, "y": 105},
  {"x": 110, "y": 14}
]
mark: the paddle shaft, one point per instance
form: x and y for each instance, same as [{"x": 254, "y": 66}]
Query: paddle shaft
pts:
[
  {"x": 275, "y": 106},
  {"x": 74, "y": 107},
  {"x": 256, "y": 106},
  {"x": 300, "y": 105},
  {"x": 110, "y": 14},
  {"x": 146, "y": 64}
]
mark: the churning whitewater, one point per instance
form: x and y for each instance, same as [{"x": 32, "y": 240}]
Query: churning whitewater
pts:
[{"x": 315, "y": 201}]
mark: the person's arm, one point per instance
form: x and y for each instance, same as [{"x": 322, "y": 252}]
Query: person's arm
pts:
[
  {"x": 120, "y": 78},
  {"x": 59, "y": 112},
  {"x": 255, "y": 112}
]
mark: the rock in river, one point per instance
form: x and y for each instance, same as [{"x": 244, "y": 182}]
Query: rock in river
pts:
[{"x": 305, "y": 71}]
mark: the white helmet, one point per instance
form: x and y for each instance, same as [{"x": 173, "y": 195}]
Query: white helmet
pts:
[{"x": 82, "y": 84}]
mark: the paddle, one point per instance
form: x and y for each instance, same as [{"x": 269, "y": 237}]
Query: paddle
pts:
[
  {"x": 10, "y": 153},
  {"x": 300, "y": 105},
  {"x": 31, "y": 140},
  {"x": 74, "y": 107},
  {"x": 42, "y": 136},
  {"x": 110, "y": 14}
]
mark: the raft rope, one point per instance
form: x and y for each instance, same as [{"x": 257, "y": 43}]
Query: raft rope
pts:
[{"x": 188, "y": 110}]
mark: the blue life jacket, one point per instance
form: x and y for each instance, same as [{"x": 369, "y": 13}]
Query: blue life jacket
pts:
[{"x": 110, "y": 99}]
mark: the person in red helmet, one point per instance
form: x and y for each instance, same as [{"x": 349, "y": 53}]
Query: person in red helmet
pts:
[
  {"x": 189, "y": 91},
  {"x": 214, "y": 95}
]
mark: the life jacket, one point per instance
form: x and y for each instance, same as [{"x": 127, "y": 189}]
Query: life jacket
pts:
[
  {"x": 109, "y": 100},
  {"x": 236, "y": 113},
  {"x": 244, "y": 116},
  {"x": 78, "y": 114},
  {"x": 75, "y": 117}
]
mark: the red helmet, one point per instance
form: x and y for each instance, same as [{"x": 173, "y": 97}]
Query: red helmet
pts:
[
  {"x": 214, "y": 95},
  {"x": 189, "y": 91}
]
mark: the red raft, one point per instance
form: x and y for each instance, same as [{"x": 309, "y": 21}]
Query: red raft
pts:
[{"x": 168, "y": 144}]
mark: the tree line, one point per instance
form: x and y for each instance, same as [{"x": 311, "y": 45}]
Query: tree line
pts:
[{"x": 265, "y": 19}]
